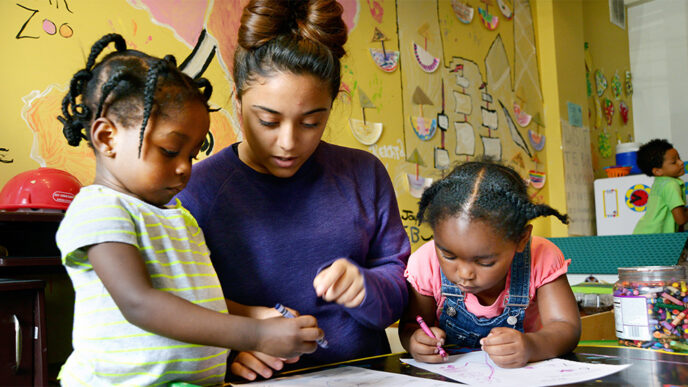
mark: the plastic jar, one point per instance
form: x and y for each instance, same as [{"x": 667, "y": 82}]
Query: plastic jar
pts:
[{"x": 650, "y": 307}]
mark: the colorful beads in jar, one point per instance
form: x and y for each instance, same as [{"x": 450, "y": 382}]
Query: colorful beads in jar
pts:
[{"x": 650, "y": 307}]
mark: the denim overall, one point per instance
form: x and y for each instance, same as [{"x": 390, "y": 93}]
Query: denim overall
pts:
[{"x": 464, "y": 329}]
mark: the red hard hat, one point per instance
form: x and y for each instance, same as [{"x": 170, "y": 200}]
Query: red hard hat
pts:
[{"x": 39, "y": 188}]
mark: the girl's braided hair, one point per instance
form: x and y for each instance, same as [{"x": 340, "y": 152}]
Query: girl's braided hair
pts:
[
  {"x": 485, "y": 191},
  {"x": 127, "y": 85}
]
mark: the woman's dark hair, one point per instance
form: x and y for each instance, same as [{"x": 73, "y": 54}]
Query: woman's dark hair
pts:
[
  {"x": 298, "y": 36},
  {"x": 127, "y": 84},
  {"x": 486, "y": 191},
  {"x": 651, "y": 155}
]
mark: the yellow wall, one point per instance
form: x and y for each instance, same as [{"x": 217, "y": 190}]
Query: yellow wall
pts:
[
  {"x": 608, "y": 45},
  {"x": 41, "y": 65}
]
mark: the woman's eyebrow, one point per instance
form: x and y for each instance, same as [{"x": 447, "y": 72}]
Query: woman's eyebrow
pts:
[{"x": 266, "y": 109}]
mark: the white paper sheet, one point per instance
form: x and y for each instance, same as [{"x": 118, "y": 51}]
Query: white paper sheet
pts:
[
  {"x": 476, "y": 368},
  {"x": 351, "y": 376}
]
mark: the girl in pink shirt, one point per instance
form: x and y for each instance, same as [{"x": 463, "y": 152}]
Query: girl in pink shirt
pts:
[{"x": 483, "y": 281}]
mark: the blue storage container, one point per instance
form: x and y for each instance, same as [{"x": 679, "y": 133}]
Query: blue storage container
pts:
[{"x": 627, "y": 155}]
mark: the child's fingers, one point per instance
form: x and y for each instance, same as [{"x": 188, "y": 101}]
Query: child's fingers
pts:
[
  {"x": 312, "y": 334},
  {"x": 426, "y": 340},
  {"x": 439, "y": 334},
  {"x": 248, "y": 366},
  {"x": 306, "y": 321},
  {"x": 497, "y": 336}
]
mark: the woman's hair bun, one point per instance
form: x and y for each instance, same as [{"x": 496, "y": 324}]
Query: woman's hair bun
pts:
[{"x": 317, "y": 20}]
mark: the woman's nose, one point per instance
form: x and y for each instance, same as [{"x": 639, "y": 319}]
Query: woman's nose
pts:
[{"x": 286, "y": 136}]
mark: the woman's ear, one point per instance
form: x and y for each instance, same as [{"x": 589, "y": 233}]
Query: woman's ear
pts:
[
  {"x": 103, "y": 133},
  {"x": 525, "y": 237}
]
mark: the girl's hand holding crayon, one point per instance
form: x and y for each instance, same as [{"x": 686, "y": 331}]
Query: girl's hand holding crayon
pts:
[
  {"x": 425, "y": 348},
  {"x": 342, "y": 283},
  {"x": 507, "y": 347},
  {"x": 288, "y": 337}
]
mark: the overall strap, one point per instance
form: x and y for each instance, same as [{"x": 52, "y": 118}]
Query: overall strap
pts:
[
  {"x": 520, "y": 279},
  {"x": 449, "y": 289}
]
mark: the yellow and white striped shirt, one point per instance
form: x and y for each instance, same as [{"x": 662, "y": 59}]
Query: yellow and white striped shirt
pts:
[{"x": 108, "y": 350}]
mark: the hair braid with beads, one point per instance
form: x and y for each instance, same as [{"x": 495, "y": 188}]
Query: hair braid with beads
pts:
[
  {"x": 484, "y": 191},
  {"x": 126, "y": 85}
]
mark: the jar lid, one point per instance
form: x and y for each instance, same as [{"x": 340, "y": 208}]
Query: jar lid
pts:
[{"x": 653, "y": 272}]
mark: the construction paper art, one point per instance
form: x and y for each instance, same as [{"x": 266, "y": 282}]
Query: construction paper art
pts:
[
  {"x": 515, "y": 134},
  {"x": 492, "y": 148},
  {"x": 423, "y": 127},
  {"x": 465, "y": 139},
  {"x": 537, "y": 178},
  {"x": 463, "y": 11},
  {"x": 628, "y": 84},
  {"x": 604, "y": 145}
]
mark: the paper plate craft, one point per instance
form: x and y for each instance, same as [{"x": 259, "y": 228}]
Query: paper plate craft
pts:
[
  {"x": 604, "y": 145},
  {"x": 600, "y": 82},
  {"x": 367, "y": 133},
  {"x": 608, "y": 109},
  {"x": 537, "y": 178},
  {"x": 522, "y": 117},
  {"x": 386, "y": 61},
  {"x": 616, "y": 86},
  {"x": 489, "y": 21},
  {"x": 628, "y": 86},
  {"x": 506, "y": 8},
  {"x": 423, "y": 127},
  {"x": 623, "y": 112},
  {"x": 425, "y": 60},
  {"x": 418, "y": 184},
  {"x": 463, "y": 11},
  {"x": 537, "y": 140}
]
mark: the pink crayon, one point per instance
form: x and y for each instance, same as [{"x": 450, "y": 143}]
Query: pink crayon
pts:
[{"x": 428, "y": 332}]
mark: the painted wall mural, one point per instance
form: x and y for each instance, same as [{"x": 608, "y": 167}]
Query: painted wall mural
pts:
[{"x": 423, "y": 85}]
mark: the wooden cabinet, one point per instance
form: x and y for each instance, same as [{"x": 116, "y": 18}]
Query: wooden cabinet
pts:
[
  {"x": 23, "y": 344},
  {"x": 35, "y": 288}
]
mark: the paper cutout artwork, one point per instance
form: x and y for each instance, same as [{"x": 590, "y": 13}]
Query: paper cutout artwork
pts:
[
  {"x": 522, "y": 117},
  {"x": 515, "y": 134},
  {"x": 537, "y": 141},
  {"x": 536, "y": 179},
  {"x": 598, "y": 112},
  {"x": 387, "y": 61},
  {"x": 506, "y": 8},
  {"x": 442, "y": 160},
  {"x": 462, "y": 103},
  {"x": 465, "y": 139},
  {"x": 616, "y": 86},
  {"x": 628, "y": 84},
  {"x": 476, "y": 368},
  {"x": 425, "y": 60},
  {"x": 463, "y": 11},
  {"x": 600, "y": 82},
  {"x": 604, "y": 145},
  {"x": 623, "y": 112},
  {"x": 608, "y": 108},
  {"x": 492, "y": 148},
  {"x": 489, "y": 21},
  {"x": 489, "y": 118},
  {"x": 588, "y": 84},
  {"x": 423, "y": 127},
  {"x": 367, "y": 133}
]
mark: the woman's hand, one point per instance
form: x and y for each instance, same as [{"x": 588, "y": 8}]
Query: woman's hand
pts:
[
  {"x": 341, "y": 282},
  {"x": 507, "y": 347},
  {"x": 426, "y": 349},
  {"x": 249, "y": 365}
]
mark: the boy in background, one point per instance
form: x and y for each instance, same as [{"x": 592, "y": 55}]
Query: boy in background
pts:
[{"x": 666, "y": 210}]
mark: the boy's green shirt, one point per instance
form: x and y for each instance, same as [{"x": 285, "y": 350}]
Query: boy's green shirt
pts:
[{"x": 666, "y": 194}]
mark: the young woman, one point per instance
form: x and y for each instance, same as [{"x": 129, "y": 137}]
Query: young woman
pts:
[{"x": 289, "y": 218}]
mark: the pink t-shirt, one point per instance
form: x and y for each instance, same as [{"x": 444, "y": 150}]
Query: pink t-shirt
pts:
[{"x": 547, "y": 264}]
